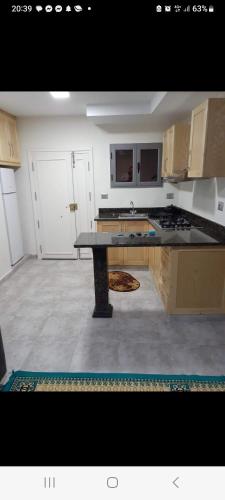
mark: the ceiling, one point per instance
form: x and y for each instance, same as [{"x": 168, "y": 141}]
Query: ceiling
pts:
[
  {"x": 43, "y": 104},
  {"x": 112, "y": 111}
]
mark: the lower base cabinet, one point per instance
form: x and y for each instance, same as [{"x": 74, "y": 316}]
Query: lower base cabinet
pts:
[
  {"x": 136, "y": 256},
  {"x": 190, "y": 280},
  {"x": 115, "y": 255}
]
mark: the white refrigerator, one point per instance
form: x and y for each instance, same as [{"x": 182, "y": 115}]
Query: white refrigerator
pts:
[{"x": 9, "y": 196}]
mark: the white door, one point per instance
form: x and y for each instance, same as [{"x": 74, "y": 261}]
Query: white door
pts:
[
  {"x": 84, "y": 196},
  {"x": 52, "y": 195}
]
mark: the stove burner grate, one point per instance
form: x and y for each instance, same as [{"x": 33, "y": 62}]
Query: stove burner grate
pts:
[{"x": 172, "y": 223}]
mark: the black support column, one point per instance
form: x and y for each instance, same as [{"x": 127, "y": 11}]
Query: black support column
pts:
[{"x": 102, "y": 307}]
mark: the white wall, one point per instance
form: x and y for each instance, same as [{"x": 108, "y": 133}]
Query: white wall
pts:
[
  {"x": 5, "y": 264},
  {"x": 201, "y": 197},
  {"x": 68, "y": 133}
]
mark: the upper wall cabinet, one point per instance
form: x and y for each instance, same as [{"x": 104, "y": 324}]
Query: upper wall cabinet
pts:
[
  {"x": 207, "y": 140},
  {"x": 135, "y": 165},
  {"x": 175, "y": 150},
  {"x": 9, "y": 144}
]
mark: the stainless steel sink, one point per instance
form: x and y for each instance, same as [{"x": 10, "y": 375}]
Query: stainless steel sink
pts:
[{"x": 127, "y": 215}]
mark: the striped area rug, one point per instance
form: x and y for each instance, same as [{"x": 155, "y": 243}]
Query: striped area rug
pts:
[{"x": 22, "y": 381}]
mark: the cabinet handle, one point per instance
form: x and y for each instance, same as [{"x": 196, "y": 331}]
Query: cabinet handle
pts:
[
  {"x": 10, "y": 154},
  {"x": 12, "y": 150},
  {"x": 138, "y": 167}
]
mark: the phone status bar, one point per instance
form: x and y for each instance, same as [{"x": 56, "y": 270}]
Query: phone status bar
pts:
[
  {"x": 176, "y": 8},
  {"x": 91, "y": 6}
]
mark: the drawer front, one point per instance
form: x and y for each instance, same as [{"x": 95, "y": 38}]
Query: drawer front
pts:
[
  {"x": 109, "y": 226},
  {"x": 138, "y": 226}
]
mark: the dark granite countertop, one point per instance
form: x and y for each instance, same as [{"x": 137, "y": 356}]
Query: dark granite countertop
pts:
[
  {"x": 162, "y": 238},
  {"x": 114, "y": 213},
  {"x": 210, "y": 234}
]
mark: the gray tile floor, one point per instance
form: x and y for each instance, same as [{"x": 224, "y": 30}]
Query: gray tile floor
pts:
[{"x": 47, "y": 325}]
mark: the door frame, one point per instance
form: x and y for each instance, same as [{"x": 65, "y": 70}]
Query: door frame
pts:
[{"x": 33, "y": 188}]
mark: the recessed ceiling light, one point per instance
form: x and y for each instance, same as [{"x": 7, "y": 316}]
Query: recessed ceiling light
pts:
[{"x": 60, "y": 95}]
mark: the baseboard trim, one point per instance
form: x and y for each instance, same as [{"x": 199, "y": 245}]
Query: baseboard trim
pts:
[{"x": 17, "y": 266}]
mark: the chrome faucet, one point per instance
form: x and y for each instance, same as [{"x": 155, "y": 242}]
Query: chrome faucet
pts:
[{"x": 132, "y": 211}]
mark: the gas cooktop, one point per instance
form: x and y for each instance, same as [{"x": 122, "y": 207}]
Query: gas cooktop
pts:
[{"x": 174, "y": 223}]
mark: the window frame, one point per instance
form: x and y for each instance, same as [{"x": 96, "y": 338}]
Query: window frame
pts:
[
  {"x": 151, "y": 145},
  {"x": 136, "y": 147},
  {"x": 113, "y": 149}
]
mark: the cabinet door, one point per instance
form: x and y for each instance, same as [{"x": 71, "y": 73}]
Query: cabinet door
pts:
[
  {"x": 165, "y": 156},
  {"x": 13, "y": 140},
  {"x": 5, "y": 149},
  {"x": 115, "y": 255},
  {"x": 157, "y": 263},
  {"x": 170, "y": 149},
  {"x": 181, "y": 149},
  {"x": 200, "y": 280},
  {"x": 151, "y": 256},
  {"x": 197, "y": 141},
  {"x": 136, "y": 256}
]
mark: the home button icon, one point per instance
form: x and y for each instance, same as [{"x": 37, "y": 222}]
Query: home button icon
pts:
[{"x": 112, "y": 482}]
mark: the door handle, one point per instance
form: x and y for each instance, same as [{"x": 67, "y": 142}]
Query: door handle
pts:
[{"x": 73, "y": 207}]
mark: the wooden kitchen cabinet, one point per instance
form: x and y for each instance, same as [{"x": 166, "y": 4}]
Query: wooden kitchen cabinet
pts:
[
  {"x": 9, "y": 144},
  {"x": 190, "y": 280},
  {"x": 115, "y": 255},
  {"x": 207, "y": 140},
  {"x": 151, "y": 255},
  {"x": 154, "y": 260},
  {"x": 175, "y": 150},
  {"x": 137, "y": 256},
  {"x": 159, "y": 264}
]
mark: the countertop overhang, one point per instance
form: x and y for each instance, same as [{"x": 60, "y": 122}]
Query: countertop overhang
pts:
[{"x": 194, "y": 237}]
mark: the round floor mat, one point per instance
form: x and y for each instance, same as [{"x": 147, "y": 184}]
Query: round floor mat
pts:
[{"x": 119, "y": 281}]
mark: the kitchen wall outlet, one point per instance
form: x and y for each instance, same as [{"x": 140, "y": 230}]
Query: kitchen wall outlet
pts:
[
  {"x": 220, "y": 206},
  {"x": 170, "y": 196},
  {"x": 104, "y": 196}
]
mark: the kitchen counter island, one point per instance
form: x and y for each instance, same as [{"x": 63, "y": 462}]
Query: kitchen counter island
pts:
[
  {"x": 191, "y": 276},
  {"x": 208, "y": 227},
  {"x": 100, "y": 242}
]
